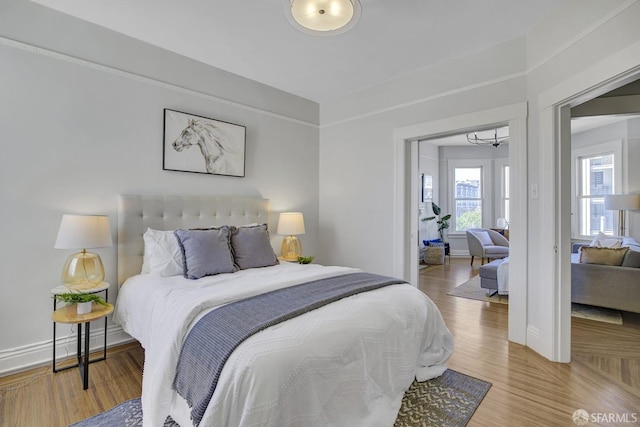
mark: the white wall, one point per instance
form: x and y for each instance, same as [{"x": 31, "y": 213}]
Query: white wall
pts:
[
  {"x": 82, "y": 122},
  {"x": 356, "y": 198},
  {"x": 428, "y": 164}
]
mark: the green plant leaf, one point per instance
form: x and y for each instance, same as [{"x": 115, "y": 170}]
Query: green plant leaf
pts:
[{"x": 76, "y": 297}]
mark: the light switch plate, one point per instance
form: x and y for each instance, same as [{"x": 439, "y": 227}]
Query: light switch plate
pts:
[{"x": 534, "y": 191}]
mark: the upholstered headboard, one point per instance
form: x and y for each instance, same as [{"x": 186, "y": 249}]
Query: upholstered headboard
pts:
[{"x": 136, "y": 213}]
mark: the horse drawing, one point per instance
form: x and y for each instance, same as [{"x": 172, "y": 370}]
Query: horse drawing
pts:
[{"x": 220, "y": 157}]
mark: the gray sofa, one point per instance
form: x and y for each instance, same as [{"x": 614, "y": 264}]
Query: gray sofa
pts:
[{"x": 607, "y": 286}]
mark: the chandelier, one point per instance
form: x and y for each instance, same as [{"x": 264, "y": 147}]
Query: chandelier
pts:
[
  {"x": 488, "y": 139},
  {"x": 322, "y": 17}
]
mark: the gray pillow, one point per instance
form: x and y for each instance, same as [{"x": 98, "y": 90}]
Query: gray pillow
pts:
[
  {"x": 205, "y": 252},
  {"x": 251, "y": 247}
]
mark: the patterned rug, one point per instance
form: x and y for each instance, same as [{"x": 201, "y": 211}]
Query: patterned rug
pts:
[
  {"x": 471, "y": 289},
  {"x": 447, "y": 401}
]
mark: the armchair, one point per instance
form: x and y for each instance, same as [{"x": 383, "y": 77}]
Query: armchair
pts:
[{"x": 486, "y": 243}]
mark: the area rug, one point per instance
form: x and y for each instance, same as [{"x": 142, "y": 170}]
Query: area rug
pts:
[
  {"x": 449, "y": 400},
  {"x": 471, "y": 289}
]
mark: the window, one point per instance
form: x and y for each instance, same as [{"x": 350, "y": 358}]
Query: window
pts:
[
  {"x": 468, "y": 198},
  {"x": 596, "y": 175},
  {"x": 596, "y": 171}
]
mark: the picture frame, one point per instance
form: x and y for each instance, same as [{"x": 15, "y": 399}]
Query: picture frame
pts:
[
  {"x": 426, "y": 188},
  {"x": 199, "y": 144}
]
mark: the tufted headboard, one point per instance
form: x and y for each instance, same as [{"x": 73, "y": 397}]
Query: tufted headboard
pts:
[{"x": 136, "y": 213}]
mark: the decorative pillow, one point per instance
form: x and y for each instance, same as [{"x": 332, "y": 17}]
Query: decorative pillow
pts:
[
  {"x": 631, "y": 258},
  {"x": 608, "y": 243},
  {"x": 601, "y": 237},
  {"x": 603, "y": 256},
  {"x": 251, "y": 247},
  {"x": 205, "y": 252},
  {"x": 630, "y": 242},
  {"x": 433, "y": 242},
  {"x": 426, "y": 242},
  {"x": 484, "y": 238},
  {"x": 162, "y": 254}
]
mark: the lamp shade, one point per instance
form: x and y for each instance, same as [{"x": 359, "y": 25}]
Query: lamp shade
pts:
[
  {"x": 291, "y": 223},
  {"x": 84, "y": 231},
  {"x": 622, "y": 202},
  {"x": 83, "y": 270}
]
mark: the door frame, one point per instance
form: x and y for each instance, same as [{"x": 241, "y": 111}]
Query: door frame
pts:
[
  {"x": 552, "y": 337},
  {"x": 405, "y": 212}
]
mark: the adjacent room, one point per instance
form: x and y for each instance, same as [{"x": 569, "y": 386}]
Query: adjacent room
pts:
[{"x": 320, "y": 212}]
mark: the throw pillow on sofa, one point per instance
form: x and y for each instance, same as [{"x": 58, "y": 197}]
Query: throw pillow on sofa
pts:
[
  {"x": 601, "y": 240},
  {"x": 603, "y": 256}
]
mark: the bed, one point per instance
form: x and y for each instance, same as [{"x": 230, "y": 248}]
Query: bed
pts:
[{"x": 346, "y": 362}]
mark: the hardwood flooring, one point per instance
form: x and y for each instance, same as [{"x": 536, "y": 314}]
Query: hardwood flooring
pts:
[{"x": 603, "y": 377}]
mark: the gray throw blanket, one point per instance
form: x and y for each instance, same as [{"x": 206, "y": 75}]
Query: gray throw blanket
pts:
[{"x": 212, "y": 340}]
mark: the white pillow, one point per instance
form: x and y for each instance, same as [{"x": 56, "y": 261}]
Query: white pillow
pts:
[
  {"x": 608, "y": 243},
  {"x": 484, "y": 238},
  {"x": 162, "y": 254},
  {"x": 601, "y": 240}
]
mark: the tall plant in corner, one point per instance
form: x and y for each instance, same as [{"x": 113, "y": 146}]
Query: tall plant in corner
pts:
[{"x": 443, "y": 222}]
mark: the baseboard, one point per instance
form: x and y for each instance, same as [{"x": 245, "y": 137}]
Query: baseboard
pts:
[
  {"x": 33, "y": 355},
  {"x": 460, "y": 253}
]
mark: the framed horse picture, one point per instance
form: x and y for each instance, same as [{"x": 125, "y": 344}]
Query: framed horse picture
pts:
[{"x": 202, "y": 145}]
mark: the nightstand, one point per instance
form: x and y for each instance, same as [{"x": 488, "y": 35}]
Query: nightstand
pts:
[{"x": 68, "y": 314}]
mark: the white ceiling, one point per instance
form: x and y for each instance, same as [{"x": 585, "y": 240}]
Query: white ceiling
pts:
[{"x": 252, "y": 38}]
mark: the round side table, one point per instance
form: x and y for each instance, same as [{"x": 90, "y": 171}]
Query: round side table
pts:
[{"x": 68, "y": 314}]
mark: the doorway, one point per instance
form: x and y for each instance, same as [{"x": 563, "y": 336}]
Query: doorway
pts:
[
  {"x": 466, "y": 178},
  {"x": 555, "y": 192},
  {"x": 406, "y": 204}
]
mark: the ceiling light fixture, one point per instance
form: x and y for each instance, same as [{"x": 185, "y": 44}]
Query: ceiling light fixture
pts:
[
  {"x": 322, "y": 17},
  {"x": 494, "y": 140}
]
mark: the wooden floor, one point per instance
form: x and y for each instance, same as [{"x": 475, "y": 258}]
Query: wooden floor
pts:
[{"x": 528, "y": 390}]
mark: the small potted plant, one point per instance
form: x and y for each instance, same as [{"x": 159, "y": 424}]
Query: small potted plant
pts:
[
  {"x": 305, "y": 259},
  {"x": 83, "y": 301},
  {"x": 442, "y": 221}
]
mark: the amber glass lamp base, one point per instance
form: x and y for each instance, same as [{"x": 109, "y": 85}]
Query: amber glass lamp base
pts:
[
  {"x": 82, "y": 271},
  {"x": 291, "y": 248}
]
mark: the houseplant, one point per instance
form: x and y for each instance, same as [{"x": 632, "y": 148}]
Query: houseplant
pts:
[
  {"x": 305, "y": 259},
  {"x": 83, "y": 301},
  {"x": 443, "y": 222}
]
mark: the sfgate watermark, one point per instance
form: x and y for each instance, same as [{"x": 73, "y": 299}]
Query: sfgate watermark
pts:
[{"x": 582, "y": 417}]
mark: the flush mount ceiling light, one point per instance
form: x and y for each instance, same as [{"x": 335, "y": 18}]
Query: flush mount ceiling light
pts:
[
  {"x": 322, "y": 17},
  {"x": 488, "y": 138}
]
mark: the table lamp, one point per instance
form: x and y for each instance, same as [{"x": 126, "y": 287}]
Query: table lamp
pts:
[
  {"x": 291, "y": 224},
  {"x": 83, "y": 270},
  {"x": 621, "y": 203}
]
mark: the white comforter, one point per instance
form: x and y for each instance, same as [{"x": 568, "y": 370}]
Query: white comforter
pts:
[
  {"x": 502, "y": 274},
  {"x": 345, "y": 364}
]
